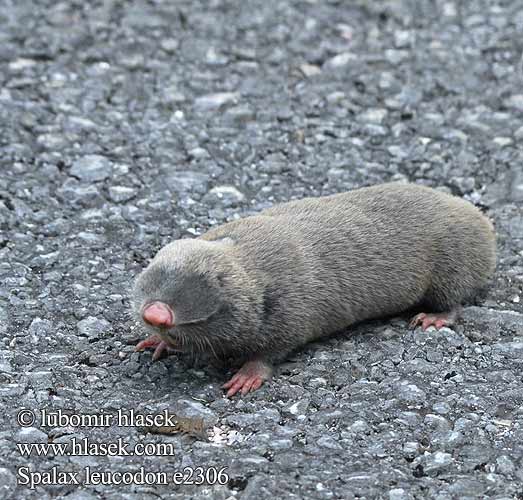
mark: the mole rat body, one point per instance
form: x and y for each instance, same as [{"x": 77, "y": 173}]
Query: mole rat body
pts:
[{"x": 257, "y": 288}]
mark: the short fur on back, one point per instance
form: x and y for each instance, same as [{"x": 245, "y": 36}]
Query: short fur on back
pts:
[{"x": 264, "y": 285}]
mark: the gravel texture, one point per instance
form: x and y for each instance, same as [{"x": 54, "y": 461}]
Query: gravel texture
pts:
[{"x": 126, "y": 124}]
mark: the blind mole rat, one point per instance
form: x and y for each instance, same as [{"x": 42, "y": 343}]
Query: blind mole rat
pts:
[{"x": 257, "y": 288}]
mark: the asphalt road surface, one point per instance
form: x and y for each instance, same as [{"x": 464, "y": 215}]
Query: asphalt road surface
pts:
[{"x": 126, "y": 124}]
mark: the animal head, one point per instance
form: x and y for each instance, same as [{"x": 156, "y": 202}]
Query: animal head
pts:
[{"x": 192, "y": 294}]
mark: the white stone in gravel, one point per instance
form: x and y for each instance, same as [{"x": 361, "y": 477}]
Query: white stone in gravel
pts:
[
  {"x": 21, "y": 63},
  {"x": 310, "y": 70},
  {"x": 438, "y": 460},
  {"x": 502, "y": 141},
  {"x": 229, "y": 192},
  {"x": 121, "y": 193},
  {"x": 169, "y": 44},
  {"x": 398, "y": 494},
  {"x": 340, "y": 60},
  {"x": 373, "y": 115},
  {"x": 254, "y": 460},
  {"x": 211, "y": 102},
  {"x": 199, "y": 153},
  {"x": 299, "y": 408},
  {"x": 91, "y": 168}
]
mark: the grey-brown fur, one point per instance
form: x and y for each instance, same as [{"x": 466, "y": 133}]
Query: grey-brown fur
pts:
[{"x": 264, "y": 285}]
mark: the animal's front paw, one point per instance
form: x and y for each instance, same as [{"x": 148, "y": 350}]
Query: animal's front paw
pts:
[
  {"x": 159, "y": 345},
  {"x": 249, "y": 378}
]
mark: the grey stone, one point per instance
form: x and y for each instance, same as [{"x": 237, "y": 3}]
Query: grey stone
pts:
[
  {"x": 360, "y": 426},
  {"x": 8, "y": 482},
  {"x": 437, "y": 422},
  {"x": 93, "y": 328},
  {"x": 91, "y": 168},
  {"x": 494, "y": 319},
  {"x": 121, "y": 193},
  {"x": 31, "y": 435},
  {"x": 185, "y": 181},
  {"x": 190, "y": 408},
  {"x": 448, "y": 440},
  {"x": 437, "y": 462},
  {"x": 398, "y": 152},
  {"x": 411, "y": 393},
  {"x": 515, "y": 101},
  {"x": 40, "y": 328},
  {"x": 396, "y": 56},
  {"x": 240, "y": 114},
  {"x": 242, "y": 420},
  {"x": 329, "y": 442},
  {"x": 516, "y": 192},
  {"x": 505, "y": 465},
  {"x": 212, "y": 102},
  {"x": 6, "y": 362},
  {"x": 85, "y": 195},
  {"x": 411, "y": 449},
  {"x": 441, "y": 407}
]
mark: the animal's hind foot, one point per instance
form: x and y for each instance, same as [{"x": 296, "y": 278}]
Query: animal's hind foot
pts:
[{"x": 438, "y": 320}]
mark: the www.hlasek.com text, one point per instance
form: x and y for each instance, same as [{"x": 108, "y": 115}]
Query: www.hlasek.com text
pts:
[{"x": 84, "y": 447}]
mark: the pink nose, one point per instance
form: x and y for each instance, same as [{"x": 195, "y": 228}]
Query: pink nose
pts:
[{"x": 158, "y": 314}]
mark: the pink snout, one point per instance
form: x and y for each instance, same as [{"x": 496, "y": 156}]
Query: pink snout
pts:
[{"x": 158, "y": 314}]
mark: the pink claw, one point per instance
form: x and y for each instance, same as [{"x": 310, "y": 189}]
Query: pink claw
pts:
[
  {"x": 249, "y": 378},
  {"x": 160, "y": 346},
  {"x": 152, "y": 341},
  {"x": 437, "y": 320},
  {"x": 160, "y": 349}
]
